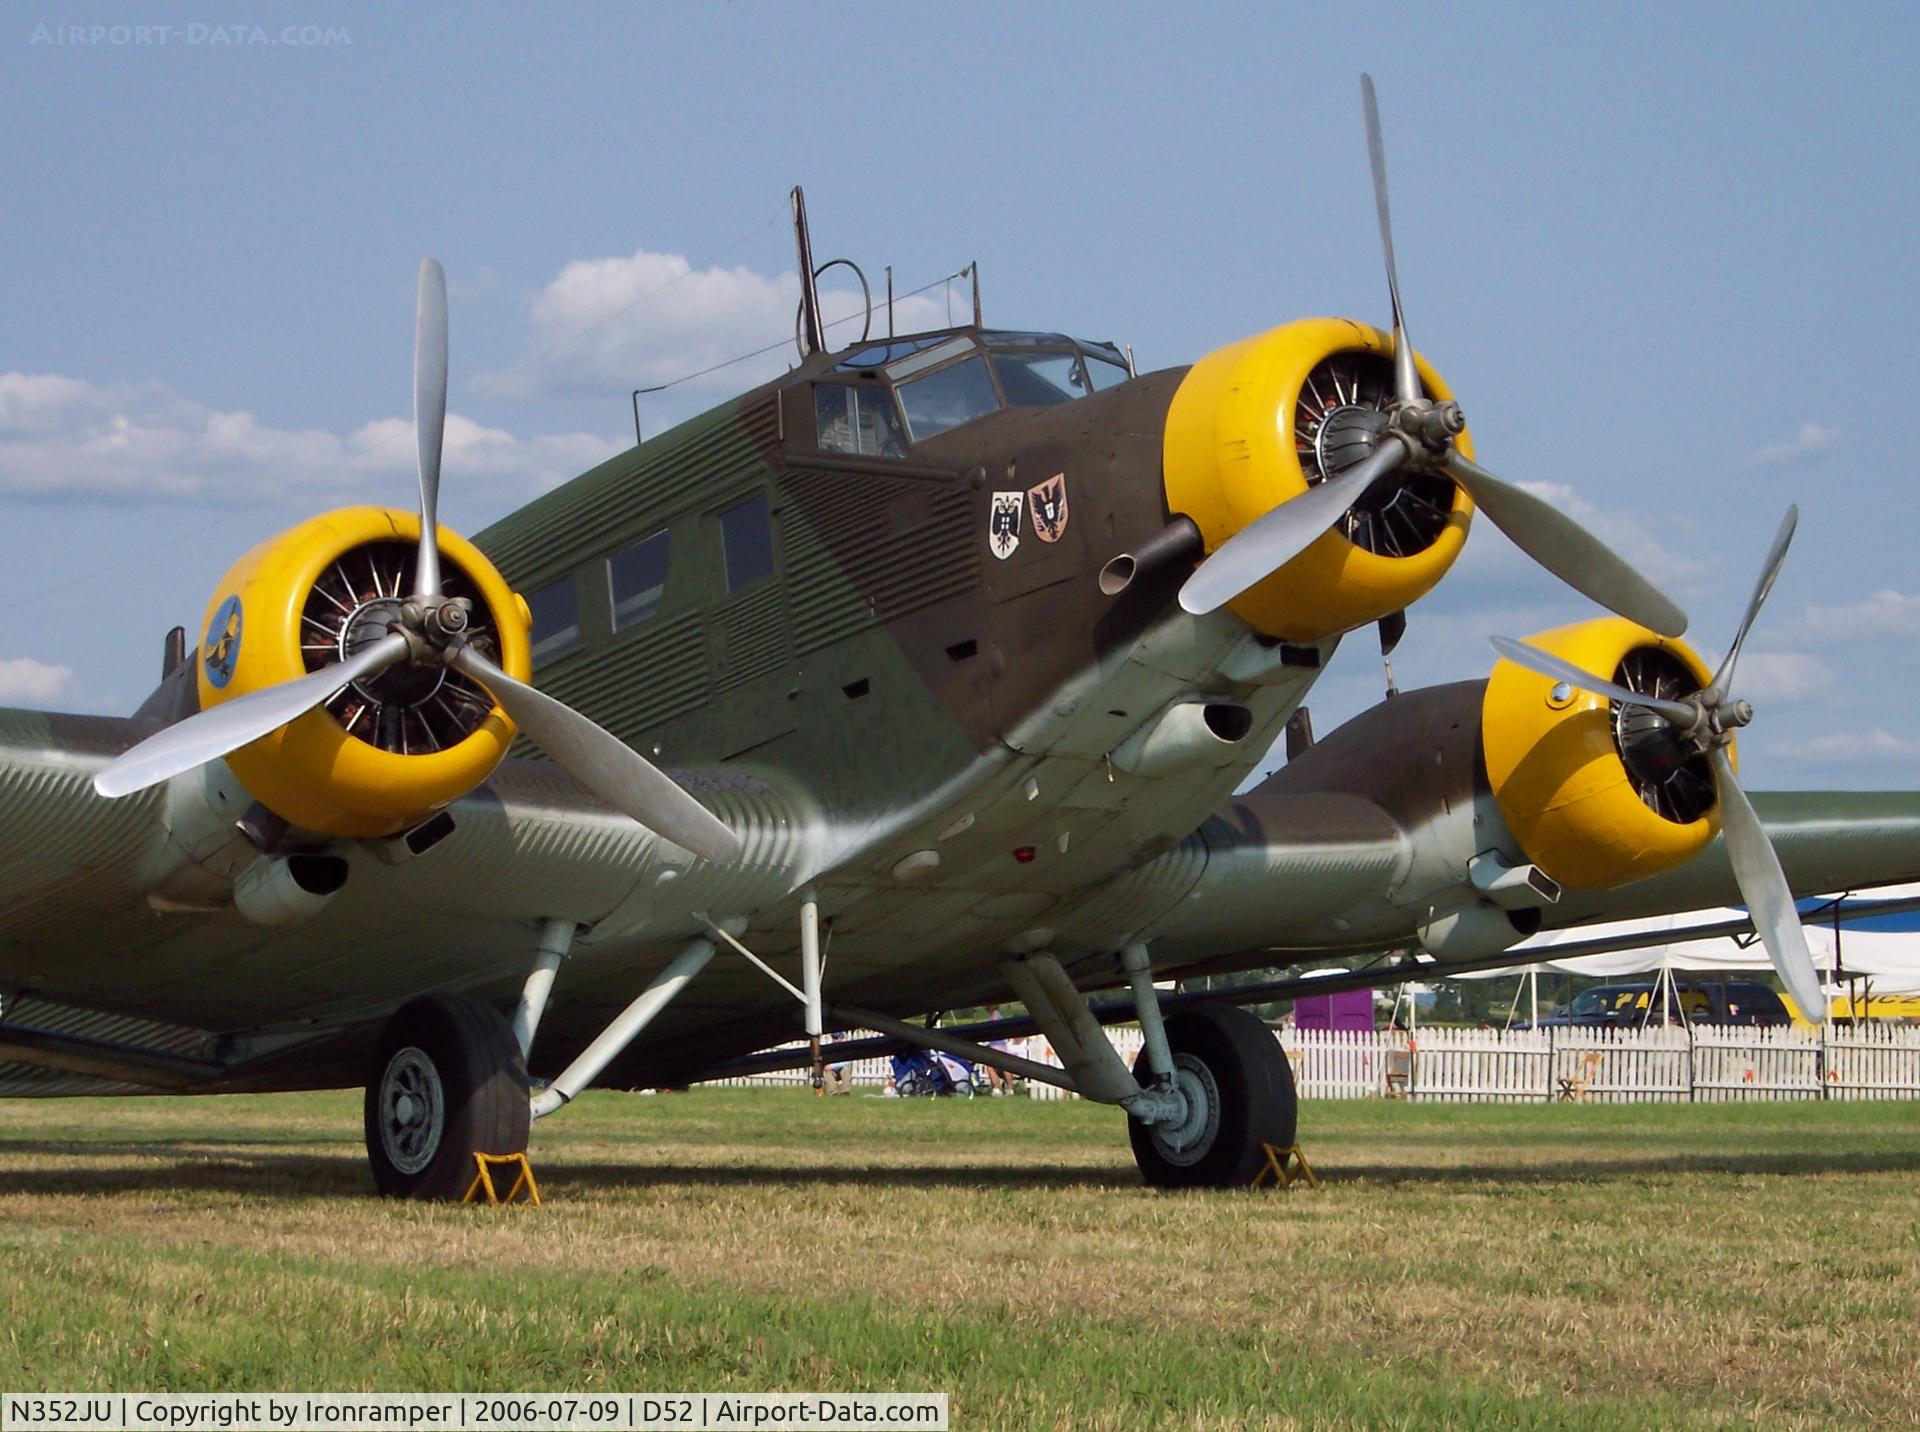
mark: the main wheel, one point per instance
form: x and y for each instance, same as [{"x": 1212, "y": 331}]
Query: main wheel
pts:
[
  {"x": 448, "y": 1082},
  {"x": 1239, "y": 1089}
]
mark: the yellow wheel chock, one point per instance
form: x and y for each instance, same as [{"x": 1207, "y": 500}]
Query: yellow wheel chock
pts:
[
  {"x": 483, "y": 1179},
  {"x": 1285, "y": 1167}
]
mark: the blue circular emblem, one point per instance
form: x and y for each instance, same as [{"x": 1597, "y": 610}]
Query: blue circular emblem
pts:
[{"x": 222, "y": 646}]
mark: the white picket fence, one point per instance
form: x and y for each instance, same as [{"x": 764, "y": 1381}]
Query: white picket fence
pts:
[{"x": 1702, "y": 1064}]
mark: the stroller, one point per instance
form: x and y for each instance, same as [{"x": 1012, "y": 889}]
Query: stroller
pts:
[{"x": 927, "y": 1074}]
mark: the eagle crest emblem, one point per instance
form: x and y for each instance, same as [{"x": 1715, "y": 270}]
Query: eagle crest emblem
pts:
[
  {"x": 1003, "y": 523},
  {"x": 1049, "y": 504}
]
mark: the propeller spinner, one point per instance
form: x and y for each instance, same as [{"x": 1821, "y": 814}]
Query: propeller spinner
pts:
[
  {"x": 1416, "y": 436},
  {"x": 431, "y": 630},
  {"x": 1703, "y": 724}
]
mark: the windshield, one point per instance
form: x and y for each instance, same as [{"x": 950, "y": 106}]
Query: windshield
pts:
[
  {"x": 1040, "y": 379},
  {"x": 1590, "y": 1005},
  {"x": 944, "y": 379},
  {"x": 947, "y": 398}
]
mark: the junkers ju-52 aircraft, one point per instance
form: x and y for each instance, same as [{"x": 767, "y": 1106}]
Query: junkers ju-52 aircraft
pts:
[{"x": 919, "y": 677}]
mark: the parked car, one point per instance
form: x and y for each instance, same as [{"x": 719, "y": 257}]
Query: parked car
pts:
[{"x": 1631, "y": 1004}]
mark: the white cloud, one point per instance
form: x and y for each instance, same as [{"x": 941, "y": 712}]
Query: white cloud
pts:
[
  {"x": 64, "y": 437},
  {"x": 1626, "y": 535},
  {"x": 26, "y": 682},
  {"x": 1812, "y": 440},
  {"x": 1887, "y": 615},
  {"x": 1850, "y": 748},
  {"x": 1781, "y": 676},
  {"x": 652, "y": 318}
]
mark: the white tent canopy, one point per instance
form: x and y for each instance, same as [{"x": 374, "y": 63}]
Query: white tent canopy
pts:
[{"x": 1882, "y": 948}]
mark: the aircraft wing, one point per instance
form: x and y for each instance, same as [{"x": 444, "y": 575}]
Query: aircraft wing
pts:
[
  {"x": 1388, "y": 835},
  {"x": 1284, "y": 877},
  {"x": 123, "y": 962}
]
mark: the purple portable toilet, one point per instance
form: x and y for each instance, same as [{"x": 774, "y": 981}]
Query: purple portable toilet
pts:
[{"x": 1349, "y": 1009}]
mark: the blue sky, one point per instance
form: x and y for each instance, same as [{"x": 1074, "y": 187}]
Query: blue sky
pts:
[{"x": 1665, "y": 259}]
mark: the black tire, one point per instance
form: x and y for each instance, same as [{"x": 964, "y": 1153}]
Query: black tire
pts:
[
  {"x": 463, "y": 1052},
  {"x": 1231, "y": 1054}
]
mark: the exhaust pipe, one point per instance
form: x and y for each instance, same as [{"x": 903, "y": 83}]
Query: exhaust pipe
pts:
[
  {"x": 285, "y": 889},
  {"x": 1177, "y": 542},
  {"x": 1191, "y": 733}
]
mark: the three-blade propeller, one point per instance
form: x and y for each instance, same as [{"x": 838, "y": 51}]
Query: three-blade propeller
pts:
[
  {"x": 431, "y": 632},
  {"x": 1418, "y": 436},
  {"x": 1706, "y": 721}
]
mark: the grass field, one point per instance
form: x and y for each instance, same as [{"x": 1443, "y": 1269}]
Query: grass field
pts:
[{"x": 1464, "y": 1265}]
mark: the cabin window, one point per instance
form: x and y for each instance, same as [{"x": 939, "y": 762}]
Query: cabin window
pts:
[
  {"x": 1040, "y": 379},
  {"x": 637, "y": 581},
  {"x": 556, "y": 619},
  {"x": 947, "y": 398},
  {"x": 1105, "y": 375},
  {"x": 857, "y": 418},
  {"x": 746, "y": 542}
]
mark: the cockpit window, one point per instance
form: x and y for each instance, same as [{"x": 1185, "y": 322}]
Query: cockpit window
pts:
[
  {"x": 879, "y": 355},
  {"x": 857, "y": 418},
  {"x": 1104, "y": 374},
  {"x": 948, "y": 397},
  {"x": 1040, "y": 379},
  {"x": 901, "y": 369}
]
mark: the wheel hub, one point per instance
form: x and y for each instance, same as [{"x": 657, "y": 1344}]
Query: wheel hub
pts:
[
  {"x": 1185, "y": 1142},
  {"x": 413, "y": 1110}
]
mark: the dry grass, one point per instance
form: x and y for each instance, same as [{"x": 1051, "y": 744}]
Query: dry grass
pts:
[{"x": 1470, "y": 1265}]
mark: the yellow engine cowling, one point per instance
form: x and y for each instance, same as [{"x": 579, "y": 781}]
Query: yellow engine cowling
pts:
[
  {"x": 1557, "y": 772},
  {"x": 1231, "y": 456},
  {"x": 313, "y": 773}
]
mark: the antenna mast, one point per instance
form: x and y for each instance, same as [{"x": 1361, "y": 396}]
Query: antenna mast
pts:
[{"x": 813, "y": 338}]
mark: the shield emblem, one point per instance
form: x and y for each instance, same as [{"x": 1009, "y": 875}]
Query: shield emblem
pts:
[
  {"x": 1003, "y": 523},
  {"x": 1049, "y": 504}
]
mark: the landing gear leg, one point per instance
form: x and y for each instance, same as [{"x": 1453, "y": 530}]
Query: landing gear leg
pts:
[
  {"x": 448, "y": 1081},
  {"x": 1239, "y": 1094}
]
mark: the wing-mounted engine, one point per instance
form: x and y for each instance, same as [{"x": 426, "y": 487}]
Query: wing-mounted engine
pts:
[
  {"x": 1599, "y": 792},
  {"x": 388, "y": 748},
  {"x": 1328, "y": 472},
  {"x": 1260, "y": 422},
  {"x": 368, "y": 667}
]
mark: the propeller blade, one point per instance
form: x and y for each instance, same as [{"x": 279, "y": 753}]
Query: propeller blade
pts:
[
  {"x": 430, "y": 416},
  {"x": 603, "y": 763},
  {"x": 1406, "y": 380},
  {"x": 1769, "y": 570},
  {"x": 1534, "y": 659},
  {"x": 1763, "y": 886},
  {"x": 239, "y": 722},
  {"x": 1567, "y": 549},
  {"x": 1261, "y": 548}
]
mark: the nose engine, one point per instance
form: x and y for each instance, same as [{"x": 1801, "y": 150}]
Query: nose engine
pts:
[{"x": 1260, "y": 422}]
